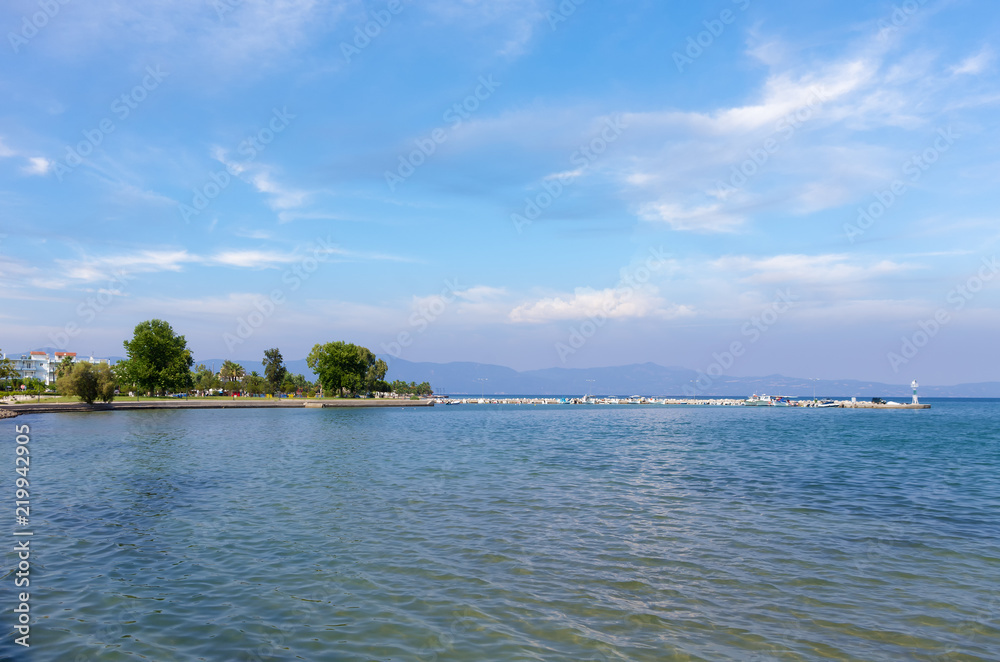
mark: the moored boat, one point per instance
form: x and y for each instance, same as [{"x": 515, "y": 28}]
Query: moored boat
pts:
[{"x": 761, "y": 400}]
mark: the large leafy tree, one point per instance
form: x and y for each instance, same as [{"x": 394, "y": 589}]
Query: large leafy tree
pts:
[
  {"x": 89, "y": 382},
  {"x": 274, "y": 369},
  {"x": 346, "y": 368},
  {"x": 413, "y": 388},
  {"x": 254, "y": 384},
  {"x": 158, "y": 359},
  {"x": 8, "y": 374},
  {"x": 205, "y": 379},
  {"x": 7, "y": 370}
]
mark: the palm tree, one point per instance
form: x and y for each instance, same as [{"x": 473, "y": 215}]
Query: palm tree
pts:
[
  {"x": 231, "y": 371},
  {"x": 65, "y": 366}
]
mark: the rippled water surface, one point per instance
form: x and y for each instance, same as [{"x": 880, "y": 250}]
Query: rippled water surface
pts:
[{"x": 485, "y": 532}]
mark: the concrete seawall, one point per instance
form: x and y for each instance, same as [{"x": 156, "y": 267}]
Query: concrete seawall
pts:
[{"x": 6, "y": 411}]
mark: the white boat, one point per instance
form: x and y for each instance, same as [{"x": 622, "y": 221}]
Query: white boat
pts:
[
  {"x": 761, "y": 400},
  {"x": 827, "y": 403}
]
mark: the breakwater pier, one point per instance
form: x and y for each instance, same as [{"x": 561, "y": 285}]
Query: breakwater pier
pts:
[{"x": 701, "y": 402}]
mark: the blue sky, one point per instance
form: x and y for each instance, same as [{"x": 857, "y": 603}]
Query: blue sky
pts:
[{"x": 731, "y": 186}]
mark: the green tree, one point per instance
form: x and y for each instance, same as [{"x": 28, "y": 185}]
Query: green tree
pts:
[
  {"x": 254, "y": 384},
  {"x": 344, "y": 367},
  {"x": 158, "y": 359},
  {"x": 413, "y": 388},
  {"x": 7, "y": 371},
  {"x": 89, "y": 382},
  {"x": 204, "y": 379},
  {"x": 274, "y": 369},
  {"x": 375, "y": 376}
]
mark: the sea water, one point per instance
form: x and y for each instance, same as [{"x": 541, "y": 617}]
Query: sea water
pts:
[{"x": 485, "y": 532}]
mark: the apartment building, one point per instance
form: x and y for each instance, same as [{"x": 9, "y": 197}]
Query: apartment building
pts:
[{"x": 44, "y": 367}]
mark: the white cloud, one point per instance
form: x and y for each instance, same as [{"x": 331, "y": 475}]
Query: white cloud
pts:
[
  {"x": 261, "y": 177},
  {"x": 706, "y": 218},
  {"x": 143, "y": 261},
  {"x": 827, "y": 270},
  {"x": 974, "y": 64},
  {"x": 37, "y": 165},
  {"x": 251, "y": 259},
  {"x": 586, "y": 302},
  {"x": 817, "y": 117},
  {"x": 282, "y": 197}
]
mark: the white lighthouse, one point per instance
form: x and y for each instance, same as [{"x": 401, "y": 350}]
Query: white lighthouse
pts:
[{"x": 914, "y": 385}]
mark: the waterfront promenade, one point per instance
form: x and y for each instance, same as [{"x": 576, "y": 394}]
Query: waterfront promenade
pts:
[{"x": 8, "y": 410}]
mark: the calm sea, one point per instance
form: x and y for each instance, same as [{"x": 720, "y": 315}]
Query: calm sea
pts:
[{"x": 483, "y": 532}]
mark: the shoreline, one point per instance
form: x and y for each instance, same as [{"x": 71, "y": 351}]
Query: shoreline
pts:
[{"x": 11, "y": 410}]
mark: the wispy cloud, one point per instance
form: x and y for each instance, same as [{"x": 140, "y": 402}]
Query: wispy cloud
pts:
[
  {"x": 37, "y": 165},
  {"x": 586, "y": 302},
  {"x": 828, "y": 269},
  {"x": 89, "y": 269},
  {"x": 974, "y": 64}
]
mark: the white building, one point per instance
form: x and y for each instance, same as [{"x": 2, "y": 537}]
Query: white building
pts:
[{"x": 45, "y": 368}]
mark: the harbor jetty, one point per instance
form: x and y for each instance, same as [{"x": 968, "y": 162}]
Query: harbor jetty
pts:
[
  {"x": 687, "y": 402},
  {"x": 10, "y": 410}
]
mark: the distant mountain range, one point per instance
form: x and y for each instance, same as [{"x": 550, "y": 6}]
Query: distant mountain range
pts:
[
  {"x": 650, "y": 379},
  {"x": 462, "y": 378}
]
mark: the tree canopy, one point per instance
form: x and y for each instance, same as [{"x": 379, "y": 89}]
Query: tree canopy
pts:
[
  {"x": 205, "y": 379},
  {"x": 346, "y": 368},
  {"x": 254, "y": 384},
  {"x": 89, "y": 382},
  {"x": 158, "y": 359},
  {"x": 274, "y": 369},
  {"x": 413, "y": 388}
]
